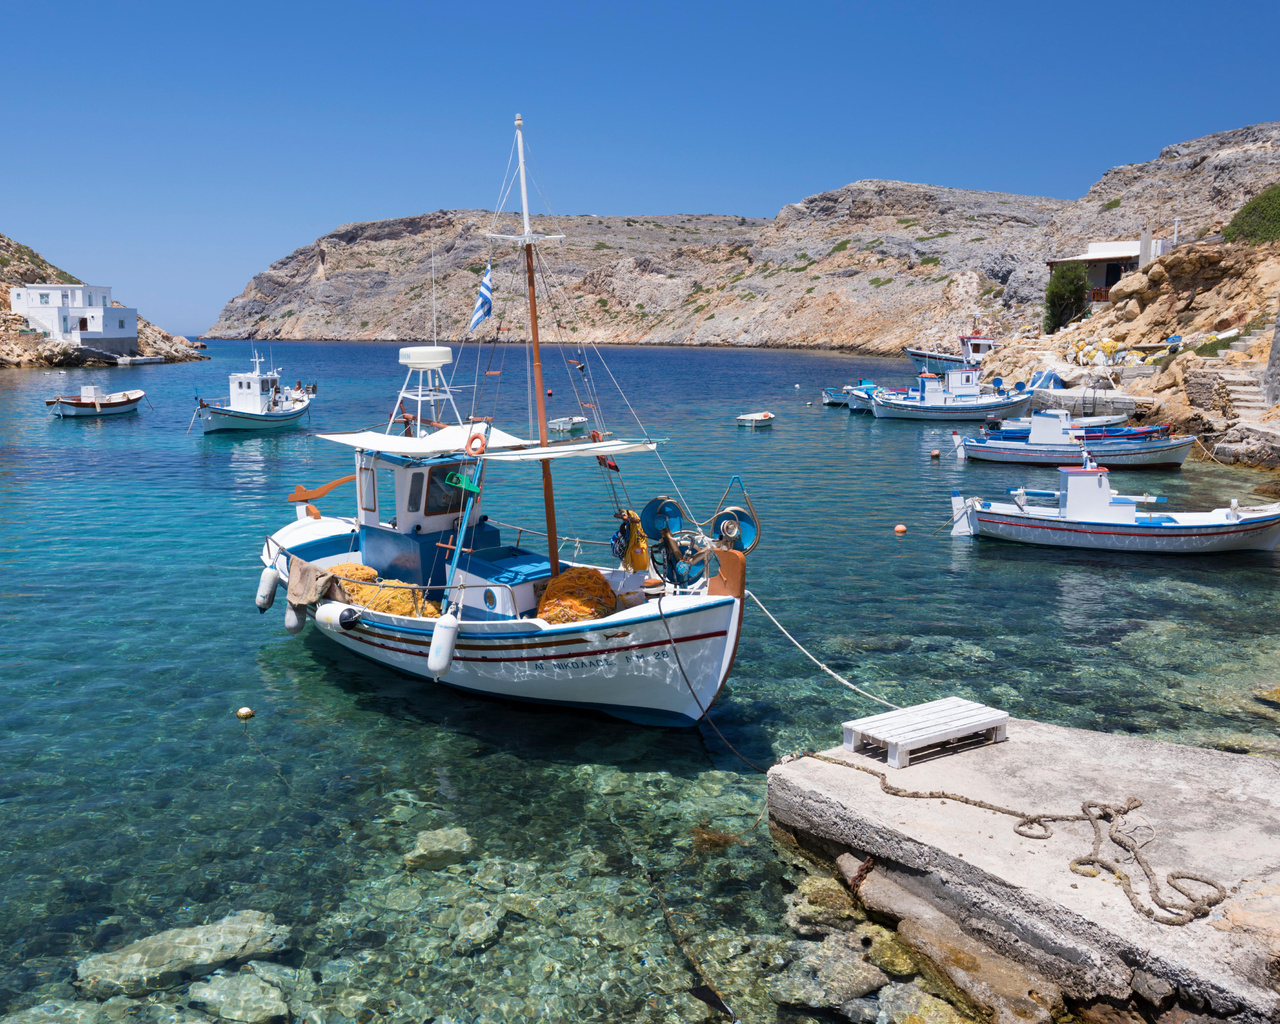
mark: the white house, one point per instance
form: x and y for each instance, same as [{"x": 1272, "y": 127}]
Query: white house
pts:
[
  {"x": 1106, "y": 262},
  {"x": 79, "y": 313}
]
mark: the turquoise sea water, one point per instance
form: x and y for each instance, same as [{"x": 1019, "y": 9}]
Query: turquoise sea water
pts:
[{"x": 133, "y": 800}]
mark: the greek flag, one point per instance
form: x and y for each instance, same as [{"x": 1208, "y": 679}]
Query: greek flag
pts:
[{"x": 484, "y": 301}]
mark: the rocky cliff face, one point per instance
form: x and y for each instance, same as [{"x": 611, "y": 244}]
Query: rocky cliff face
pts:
[{"x": 868, "y": 267}]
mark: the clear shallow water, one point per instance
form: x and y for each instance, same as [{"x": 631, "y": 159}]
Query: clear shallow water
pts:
[{"x": 132, "y": 800}]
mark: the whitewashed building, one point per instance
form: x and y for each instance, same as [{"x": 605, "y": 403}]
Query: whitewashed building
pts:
[
  {"x": 79, "y": 313},
  {"x": 1106, "y": 262}
]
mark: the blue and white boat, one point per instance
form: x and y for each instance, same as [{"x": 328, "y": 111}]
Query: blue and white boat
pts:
[
  {"x": 257, "y": 402},
  {"x": 956, "y": 396},
  {"x": 1052, "y": 440},
  {"x": 431, "y": 586},
  {"x": 1089, "y": 514}
]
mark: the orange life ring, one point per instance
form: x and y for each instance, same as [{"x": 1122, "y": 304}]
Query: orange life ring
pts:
[
  {"x": 476, "y": 444},
  {"x": 596, "y": 436}
]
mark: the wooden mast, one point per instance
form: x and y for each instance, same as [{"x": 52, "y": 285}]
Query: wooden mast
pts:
[{"x": 548, "y": 497}]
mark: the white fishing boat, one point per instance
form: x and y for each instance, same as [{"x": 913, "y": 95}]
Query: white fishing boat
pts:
[
  {"x": 1089, "y": 514},
  {"x": 257, "y": 402},
  {"x": 1053, "y": 440},
  {"x": 756, "y": 420},
  {"x": 972, "y": 350},
  {"x": 837, "y": 397},
  {"x": 93, "y": 401},
  {"x": 419, "y": 580},
  {"x": 955, "y": 396},
  {"x": 567, "y": 424}
]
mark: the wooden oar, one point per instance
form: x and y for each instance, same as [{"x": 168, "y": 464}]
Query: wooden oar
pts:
[{"x": 300, "y": 494}]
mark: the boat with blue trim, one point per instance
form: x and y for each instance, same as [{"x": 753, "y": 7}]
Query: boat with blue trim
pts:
[
  {"x": 1052, "y": 440},
  {"x": 955, "y": 396},
  {"x": 420, "y": 580},
  {"x": 257, "y": 402},
  {"x": 1089, "y": 514}
]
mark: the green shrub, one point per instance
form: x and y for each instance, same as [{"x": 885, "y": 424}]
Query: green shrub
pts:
[
  {"x": 840, "y": 246},
  {"x": 1111, "y": 205},
  {"x": 880, "y": 282},
  {"x": 1258, "y": 220},
  {"x": 1066, "y": 297},
  {"x": 930, "y": 261},
  {"x": 364, "y": 323},
  {"x": 930, "y": 238}
]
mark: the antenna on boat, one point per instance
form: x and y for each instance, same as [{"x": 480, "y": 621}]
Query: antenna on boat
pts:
[
  {"x": 527, "y": 239},
  {"x": 433, "y": 293}
]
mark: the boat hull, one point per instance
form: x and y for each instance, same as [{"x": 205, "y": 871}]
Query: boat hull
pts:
[
  {"x": 626, "y": 666},
  {"x": 1259, "y": 534},
  {"x": 1160, "y": 454},
  {"x": 214, "y": 419},
  {"x": 859, "y": 402},
  {"x": 835, "y": 398},
  {"x": 63, "y": 407},
  {"x": 903, "y": 409}
]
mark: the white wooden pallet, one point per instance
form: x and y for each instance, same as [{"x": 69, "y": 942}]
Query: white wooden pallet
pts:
[{"x": 900, "y": 732}]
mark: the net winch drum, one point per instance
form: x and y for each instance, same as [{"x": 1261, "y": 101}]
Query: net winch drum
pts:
[
  {"x": 748, "y": 530},
  {"x": 660, "y": 514}
]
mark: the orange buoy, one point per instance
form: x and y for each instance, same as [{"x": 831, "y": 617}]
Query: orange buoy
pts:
[
  {"x": 935, "y": 454},
  {"x": 899, "y": 529},
  {"x": 548, "y": 392}
]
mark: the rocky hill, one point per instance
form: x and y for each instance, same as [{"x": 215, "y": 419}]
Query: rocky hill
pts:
[
  {"x": 20, "y": 265},
  {"x": 867, "y": 267}
]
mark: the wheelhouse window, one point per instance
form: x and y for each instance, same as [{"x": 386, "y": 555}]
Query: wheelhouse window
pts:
[
  {"x": 416, "y": 481},
  {"x": 368, "y": 489},
  {"x": 442, "y": 497}
]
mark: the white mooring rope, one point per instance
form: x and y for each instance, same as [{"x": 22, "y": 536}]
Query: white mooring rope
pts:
[{"x": 834, "y": 675}]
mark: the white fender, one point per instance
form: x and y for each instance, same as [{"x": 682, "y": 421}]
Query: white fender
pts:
[
  {"x": 443, "y": 638},
  {"x": 267, "y": 583},
  {"x": 958, "y": 441},
  {"x": 336, "y": 615},
  {"x": 295, "y": 618}
]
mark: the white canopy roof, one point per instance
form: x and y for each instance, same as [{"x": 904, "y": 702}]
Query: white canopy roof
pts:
[
  {"x": 501, "y": 446},
  {"x": 569, "y": 451},
  {"x": 441, "y": 442}
]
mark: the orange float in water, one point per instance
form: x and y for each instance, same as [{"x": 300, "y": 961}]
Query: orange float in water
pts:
[
  {"x": 935, "y": 454},
  {"x": 899, "y": 529}
]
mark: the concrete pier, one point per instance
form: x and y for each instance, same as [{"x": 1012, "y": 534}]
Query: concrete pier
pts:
[{"x": 1203, "y": 811}]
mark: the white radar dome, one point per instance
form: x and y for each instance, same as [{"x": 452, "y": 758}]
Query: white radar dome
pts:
[{"x": 426, "y": 357}]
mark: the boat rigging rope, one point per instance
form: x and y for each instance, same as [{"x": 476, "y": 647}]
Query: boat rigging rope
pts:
[
  {"x": 1035, "y": 826},
  {"x": 834, "y": 675}
]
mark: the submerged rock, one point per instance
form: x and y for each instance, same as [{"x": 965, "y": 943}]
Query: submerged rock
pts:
[
  {"x": 826, "y": 974},
  {"x": 57, "y": 1011},
  {"x": 821, "y": 905},
  {"x": 476, "y": 927},
  {"x": 179, "y": 954},
  {"x": 902, "y": 1003},
  {"x": 243, "y": 997},
  {"x": 439, "y": 848}
]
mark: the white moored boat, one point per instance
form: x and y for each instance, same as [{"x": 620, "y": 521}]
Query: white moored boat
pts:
[
  {"x": 972, "y": 350},
  {"x": 1089, "y": 514},
  {"x": 92, "y": 401},
  {"x": 1053, "y": 440},
  {"x": 756, "y": 420},
  {"x": 419, "y": 580},
  {"x": 257, "y": 402},
  {"x": 955, "y": 396},
  {"x": 567, "y": 424}
]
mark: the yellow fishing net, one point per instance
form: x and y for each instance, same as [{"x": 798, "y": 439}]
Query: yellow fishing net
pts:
[
  {"x": 358, "y": 582},
  {"x": 575, "y": 595}
]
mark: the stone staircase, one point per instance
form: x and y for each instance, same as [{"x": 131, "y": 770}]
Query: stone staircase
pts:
[
  {"x": 1243, "y": 344},
  {"x": 1246, "y": 393}
]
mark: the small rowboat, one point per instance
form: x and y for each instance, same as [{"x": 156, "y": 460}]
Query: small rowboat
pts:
[
  {"x": 756, "y": 420},
  {"x": 1088, "y": 514},
  {"x": 92, "y": 401}
]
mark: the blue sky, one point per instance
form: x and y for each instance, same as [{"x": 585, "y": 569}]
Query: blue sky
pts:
[{"x": 174, "y": 150}]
